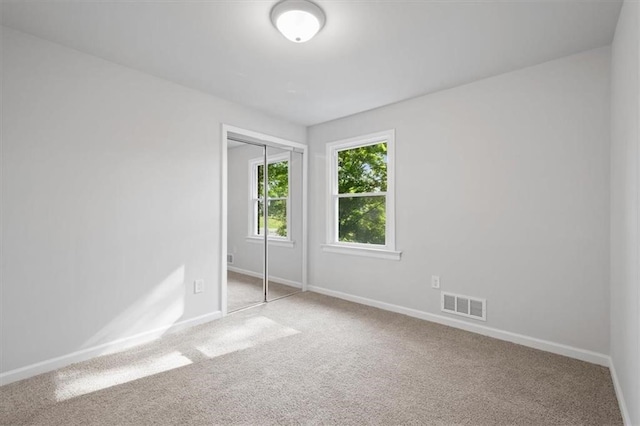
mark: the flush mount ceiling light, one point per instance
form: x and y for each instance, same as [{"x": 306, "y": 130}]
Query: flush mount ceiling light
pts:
[{"x": 297, "y": 20}]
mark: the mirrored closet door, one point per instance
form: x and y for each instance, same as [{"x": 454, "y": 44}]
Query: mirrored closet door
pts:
[
  {"x": 284, "y": 222},
  {"x": 245, "y": 246},
  {"x": 264, "y": 221}
]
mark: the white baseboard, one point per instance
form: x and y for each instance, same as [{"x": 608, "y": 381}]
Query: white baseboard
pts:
[
  {"x": 259, "y": 275},
  {"x": 621, "y": 401},
  {"x": 103, "y": 349},
  {"x": 532, "y": 342}
]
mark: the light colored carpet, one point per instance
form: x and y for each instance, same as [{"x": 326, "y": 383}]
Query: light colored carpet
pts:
[
  {"x": 312, "y": 359},
  {"x": 244, "y": 290}
]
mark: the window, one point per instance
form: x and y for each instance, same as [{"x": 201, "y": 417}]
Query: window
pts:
[
  {"x": 277, "y": 199},
  {"x": 361, "y": 198}
]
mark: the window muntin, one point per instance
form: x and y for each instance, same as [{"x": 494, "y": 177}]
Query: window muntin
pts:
[
  {"x": 361, "y": 197},
  {"x": 278, "y": 197}
]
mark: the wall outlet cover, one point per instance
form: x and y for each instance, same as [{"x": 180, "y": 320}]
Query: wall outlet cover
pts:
[
  {"x": 198, "y": 286},
  {"x": 435, "y": 281}
]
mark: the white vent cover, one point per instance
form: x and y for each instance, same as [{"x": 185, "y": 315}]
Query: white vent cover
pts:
[
  {"x": 230, "y": 258},
  {"x": 470, "y": 307}
]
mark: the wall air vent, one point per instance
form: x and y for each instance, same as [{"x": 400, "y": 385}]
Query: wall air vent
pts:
[
  {"x": 230, "y": 259},
  {"x": 470, "y": 307}
]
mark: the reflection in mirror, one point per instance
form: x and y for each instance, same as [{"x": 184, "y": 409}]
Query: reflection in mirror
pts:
[
  {"x": 245, "y": 243},
  {"x": 284, "y": 226}
]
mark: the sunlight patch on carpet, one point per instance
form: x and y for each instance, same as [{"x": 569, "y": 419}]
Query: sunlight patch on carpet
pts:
[
  {"x": 76, "y": 382},
  {"x": 83, "y": 379},
  {"x": 252, "y": 332}
]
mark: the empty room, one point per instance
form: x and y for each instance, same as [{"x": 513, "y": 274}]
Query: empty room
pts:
[{"x": 293, "y": 212}]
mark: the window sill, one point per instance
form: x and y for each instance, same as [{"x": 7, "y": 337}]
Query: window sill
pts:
[
  {"x": 362, "y": 251},
  {"x": 272, "y": 241}
]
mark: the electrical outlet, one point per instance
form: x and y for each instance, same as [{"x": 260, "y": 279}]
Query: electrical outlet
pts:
[
  {"x": 198, "y": 286},
  {"x": 435, "y": 281}
]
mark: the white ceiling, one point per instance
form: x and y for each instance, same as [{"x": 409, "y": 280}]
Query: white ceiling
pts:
[{"x": 370, "y": 53}]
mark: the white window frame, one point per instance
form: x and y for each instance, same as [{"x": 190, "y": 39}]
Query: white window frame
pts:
[
  {"x": 388, "y": 250},
  {"x": 253, "y": 202}
]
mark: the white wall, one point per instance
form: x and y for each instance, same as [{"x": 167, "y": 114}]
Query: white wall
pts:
[
  {"x": 502, "y": 189},
  {"x": 110, "y": 199},
  {"x": 285, "y": 263},
  {"x": 625, "y": 185}
]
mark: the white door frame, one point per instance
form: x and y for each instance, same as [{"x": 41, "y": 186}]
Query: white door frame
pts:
[{"x": 269, "y": 141}]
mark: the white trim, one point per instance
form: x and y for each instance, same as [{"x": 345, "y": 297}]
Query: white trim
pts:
[
  {"x": 333, "y": 148},
  {"x": 378, "y": 253},
  {"x": 362, "y": 194},
  {"x": 278, "y": 280},
  {"x": 222, "y": 267},
  {"x": 279, "y": 242},
  {"x": 305, "y": 230},
  {"x": 532, "y": 342},
  {"x": 262, "y": 137},
  {"x": 619, "y": 395},
  {"x": 103, "y": 349},
  {"x": 254, "y": 201},
  {"x": 369, "y": 139}
]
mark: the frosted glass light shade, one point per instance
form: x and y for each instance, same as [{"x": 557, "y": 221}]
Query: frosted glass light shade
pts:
[{"x": 297, "y": 20}]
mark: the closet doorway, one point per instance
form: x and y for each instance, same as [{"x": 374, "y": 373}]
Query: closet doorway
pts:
[{"x": 263, "y": 218}]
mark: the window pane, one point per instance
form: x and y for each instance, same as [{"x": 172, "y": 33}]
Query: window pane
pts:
[
  {"x": 277, "y": 218},
  {"x": 278, "y": 180},
  {"x": 363, "y": 169},
  {"x": 362, "y": 219}
]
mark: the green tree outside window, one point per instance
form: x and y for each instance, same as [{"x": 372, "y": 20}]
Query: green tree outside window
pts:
[
  {"x": 278, "y": 178},
  {"x": 362, "y": 171}
]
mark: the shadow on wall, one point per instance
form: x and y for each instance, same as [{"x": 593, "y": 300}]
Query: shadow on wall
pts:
[{"x": 156, "y": 311}]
